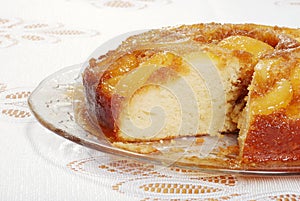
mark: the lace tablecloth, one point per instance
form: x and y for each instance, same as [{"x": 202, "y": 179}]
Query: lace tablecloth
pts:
[{"x": 37, "y": 38}]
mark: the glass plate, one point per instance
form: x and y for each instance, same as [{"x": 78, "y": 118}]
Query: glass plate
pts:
[{"x": 54, "y": 101}]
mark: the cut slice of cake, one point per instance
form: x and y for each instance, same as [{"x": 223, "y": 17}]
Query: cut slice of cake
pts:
[{"x": 270, "y": 124}]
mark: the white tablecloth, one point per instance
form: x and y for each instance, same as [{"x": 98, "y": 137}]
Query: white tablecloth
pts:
[{"x": 37, "y": 38}]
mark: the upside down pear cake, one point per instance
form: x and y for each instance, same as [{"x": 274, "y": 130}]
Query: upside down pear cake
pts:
[{"x": 202, "y": 79}]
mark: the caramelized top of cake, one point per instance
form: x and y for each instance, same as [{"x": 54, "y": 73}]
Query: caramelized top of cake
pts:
[
  {"x": 276, "y": 83},
  {"x": 139, "y": 48}
]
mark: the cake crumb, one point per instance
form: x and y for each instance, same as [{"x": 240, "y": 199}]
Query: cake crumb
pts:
[
  {"x": 136, "y": 147},
  {"x": 199, "y": 141},
  {"x": 230, "y": 150}
]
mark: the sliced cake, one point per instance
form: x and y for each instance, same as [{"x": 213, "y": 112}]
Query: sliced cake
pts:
[{"x": 201, "y": 79}]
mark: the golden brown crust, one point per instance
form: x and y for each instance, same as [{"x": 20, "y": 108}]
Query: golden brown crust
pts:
[{"x": 274, "y": 137}]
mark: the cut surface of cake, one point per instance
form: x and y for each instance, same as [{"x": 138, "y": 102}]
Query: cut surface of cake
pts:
[{"x": 202, "y": 79}]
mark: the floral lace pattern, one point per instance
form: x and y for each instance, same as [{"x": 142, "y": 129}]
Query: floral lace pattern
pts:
[
  {"x": 15, "y": 30},
  {"x": 152, "y": 182},
  {"x": 13, "y": 104}
]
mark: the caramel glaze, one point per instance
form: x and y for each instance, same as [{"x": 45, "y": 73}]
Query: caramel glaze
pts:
[{"x": 273, "y": 137}]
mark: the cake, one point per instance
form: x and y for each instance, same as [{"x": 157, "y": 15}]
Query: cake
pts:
[{"x": 202, "y": 79}]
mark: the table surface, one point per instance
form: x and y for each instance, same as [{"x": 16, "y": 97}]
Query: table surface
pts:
[{"x": 38, "y": 38}]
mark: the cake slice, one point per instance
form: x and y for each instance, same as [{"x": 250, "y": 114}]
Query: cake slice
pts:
[{"x": 270, "y": 124}]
